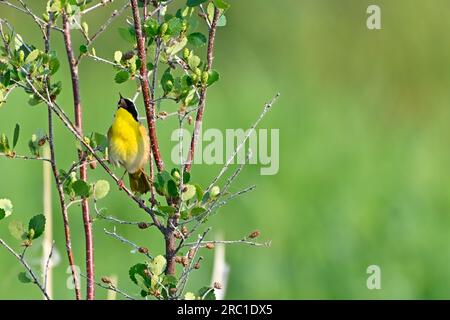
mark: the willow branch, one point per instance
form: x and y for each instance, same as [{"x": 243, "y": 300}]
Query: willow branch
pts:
[
  {"x": 148, "y": 99},
  {"x": 56, "y": 176},
  {"x": 83, "y": 168}
]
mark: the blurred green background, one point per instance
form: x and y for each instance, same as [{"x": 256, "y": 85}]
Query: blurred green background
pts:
[{"x": 364, "y": 155}]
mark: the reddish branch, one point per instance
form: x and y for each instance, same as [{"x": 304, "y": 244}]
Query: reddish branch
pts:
[
  {"x": 83, "y": 167},
  {"x": 149, "y": 99},
  {"x": 57, "y": 177},
  {"x": 202, "y": 100}
]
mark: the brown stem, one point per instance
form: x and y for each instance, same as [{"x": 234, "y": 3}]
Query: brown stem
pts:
[
  {"x": 83, "y": 168},
  {"x": 170, "y": 246},
  {"x": 59, "y": 187},
  {"x": 149, "y": 100},
  {"x": 202, "y": 100}
]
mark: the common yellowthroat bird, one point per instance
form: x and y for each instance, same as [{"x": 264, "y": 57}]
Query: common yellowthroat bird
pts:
[{"x": 129, "y": 145}]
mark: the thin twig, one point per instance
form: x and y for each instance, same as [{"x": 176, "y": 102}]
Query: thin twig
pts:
[
  {"x": 27, "y": 267},
  {"x": 204, "y": 244},
  {"x": 267, "y": 107},
  {"x": 102, "y": 3},
  {"x": 112, "y": 288},
  {"x": 202, "y": 100},
  {"x": 124, "y": 240},
  {"x": 185, "y": 275},
  {"x": 47, "y": 265},
  {"x": 15, "y": 156}
]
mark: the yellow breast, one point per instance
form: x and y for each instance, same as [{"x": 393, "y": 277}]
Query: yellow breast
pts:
[{"x": 128, "y": 142}]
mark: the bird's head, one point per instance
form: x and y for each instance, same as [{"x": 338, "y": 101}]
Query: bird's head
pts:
[{"x": 128, "y": 105}]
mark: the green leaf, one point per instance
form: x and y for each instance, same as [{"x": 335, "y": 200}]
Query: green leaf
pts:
[
  {"x": 139, "y": 269},
  {"x": 213, "y": 77},
  {"x": 151, "y": 27},
  {"x": 170, "y": 281},
  {"x": 4, "y": 143},
  {"x": 16, "y": 135},
  {"x": 54, "y": 65},
  {"x": 188, "y": 193},
  {"x": 175, "y": 25},
  {"x": 6, "y": 206},
  {"x": 172, "y": 188},
  {"x": 17, "y": 229},
  {"x": 33, "y": 55},
  {"x": 186, "y": 177},
  {"x": 196, "y": 211},
  {"x": 122, "y": 76},
  {"x": 118, "y": 56},
  {"x": 222, "y": 22},
  {"x": 81, "y": 188},
  {"x": 157, "y": 265},
  {"x": 2, "y": 213},
  {"x": 197, "y": 39},
  {"x": 193, "y": 61},
  {"x": 161, "y": 182},
  {"x": 193, "y": 3},
  {"x": 199, "y": 192},
  {"x": 83, "y": 49},
  {"x": 24, "y": 277},
  {"x": 101, "y": 189},
  {"x": 128, "y": 34},
  {"x": 37, "y": 224},
  {"x": 101, "y": 140},
  {"x": 167, "y": 81},
  {"x": 166, "y": 209},
  {"x": 176, "y": 46},
  {"x": 221, "y": 4},
  {"x": 206, "y": 293}
]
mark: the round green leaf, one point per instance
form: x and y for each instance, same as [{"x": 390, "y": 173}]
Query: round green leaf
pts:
[
  {"x": 24, "y": 277},
  {"x": 197, "y": 39},
  {"x": 36, "y": 226},
  {"x": 17, "y": 229},
  {"x": 189, "y": 192},
  {"x": 122, "y": 76},
  {"x": 158, "y": 265},
  {"x": 7, "y": 207},
  {"x": 81, "y": 188},
  {"x": 101, "y": 189}
]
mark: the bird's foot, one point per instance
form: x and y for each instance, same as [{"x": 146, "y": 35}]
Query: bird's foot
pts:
[{"x": 121, "y": 184}]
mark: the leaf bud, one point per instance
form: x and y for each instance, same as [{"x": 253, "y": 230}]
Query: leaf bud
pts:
[
  {"x": 186, "y": 53},
  {"x": 106, "y": 280},
  {"x": 215, "y": 191},
  {"x": 198, "y": 73},
  {"x": 217, "y": 285},
  {"x": 254, "y": 234},
  {"x": 21, "y": 56},
  {"x": 163, "y": 28},
  {"x": 143, "y": 250},
  {"x": 205, "y": 77},
  {"x": 143, "y": 225},
  {"x": 210, "y": 245}
]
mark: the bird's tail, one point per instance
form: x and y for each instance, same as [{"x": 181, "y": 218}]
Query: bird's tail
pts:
[{"x": 139, "y": 182}]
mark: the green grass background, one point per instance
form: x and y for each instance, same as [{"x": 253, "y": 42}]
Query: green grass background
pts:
[{"x": 364, "y": 155}]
